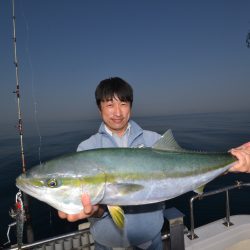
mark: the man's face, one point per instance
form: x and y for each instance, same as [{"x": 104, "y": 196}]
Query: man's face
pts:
[{"x": 115, "y": 115}]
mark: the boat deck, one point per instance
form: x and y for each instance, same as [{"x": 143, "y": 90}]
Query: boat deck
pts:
[{"x": 216, "y": 236}]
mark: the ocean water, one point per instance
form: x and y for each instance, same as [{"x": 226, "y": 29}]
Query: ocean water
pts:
[{"x": 207, "y": 132}]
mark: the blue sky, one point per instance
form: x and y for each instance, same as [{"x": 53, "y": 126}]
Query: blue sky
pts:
[{"x": 179, "y": 56}]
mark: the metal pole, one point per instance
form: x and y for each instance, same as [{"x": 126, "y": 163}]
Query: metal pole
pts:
[
  {"x": 227, "y": 223},
  {"x": 192, "y": 235}
]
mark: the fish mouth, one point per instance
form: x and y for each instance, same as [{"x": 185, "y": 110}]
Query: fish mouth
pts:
[{"x": 24, "y": 185}]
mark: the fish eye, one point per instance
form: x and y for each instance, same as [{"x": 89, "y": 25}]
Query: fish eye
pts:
[{"x": 52, "y": 183}]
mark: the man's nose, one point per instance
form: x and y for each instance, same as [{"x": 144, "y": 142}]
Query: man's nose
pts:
[{"x": 117, "y": 110}]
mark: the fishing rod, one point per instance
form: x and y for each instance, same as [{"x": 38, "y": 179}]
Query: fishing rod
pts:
[
  {"x": 17, "y": 91},
  {"x": 248, "y": 40},
  {"x": 21, "y": 207}
]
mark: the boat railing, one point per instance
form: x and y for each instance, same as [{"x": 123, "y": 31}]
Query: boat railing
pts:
[
  {"x": 227, "y": 223},
  {"x": 80, "y": 239}
]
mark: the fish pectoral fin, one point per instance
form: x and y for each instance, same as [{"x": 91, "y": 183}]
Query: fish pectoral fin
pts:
[
  {"x": 200, "y": 189},
  {"x": 125, "y": 188},
  {"x": 117, "y": 215}
]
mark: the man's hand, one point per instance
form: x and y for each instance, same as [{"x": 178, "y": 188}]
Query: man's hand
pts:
[
  {"x": 243, "y": 155},
  {"x": 88, "y": 211}
]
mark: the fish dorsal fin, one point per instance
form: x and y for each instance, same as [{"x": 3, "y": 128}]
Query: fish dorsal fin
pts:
[{"x": 168, "y": 143}]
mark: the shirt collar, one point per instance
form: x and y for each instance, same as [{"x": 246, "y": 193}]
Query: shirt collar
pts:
[{"x": 112, "y": 134}]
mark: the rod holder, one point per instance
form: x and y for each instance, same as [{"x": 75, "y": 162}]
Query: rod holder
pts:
[{"x": 175, "y": 228}]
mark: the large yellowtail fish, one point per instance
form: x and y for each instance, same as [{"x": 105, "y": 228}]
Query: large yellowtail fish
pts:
[{"x": 123, "y": 176}]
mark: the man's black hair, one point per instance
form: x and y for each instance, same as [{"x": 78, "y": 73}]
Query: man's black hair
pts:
[{"x": 109, "y": 88}]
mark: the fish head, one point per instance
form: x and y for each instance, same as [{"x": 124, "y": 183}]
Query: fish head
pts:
[{"x": 63, "y": 189}]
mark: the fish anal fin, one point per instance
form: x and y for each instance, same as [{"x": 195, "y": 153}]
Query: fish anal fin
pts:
[
  {"x": 117, "y": 215},
  {"x": 200, "y": 189}
]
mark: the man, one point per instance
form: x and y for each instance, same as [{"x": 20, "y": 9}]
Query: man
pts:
[{"x": 114, "y": 98}]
